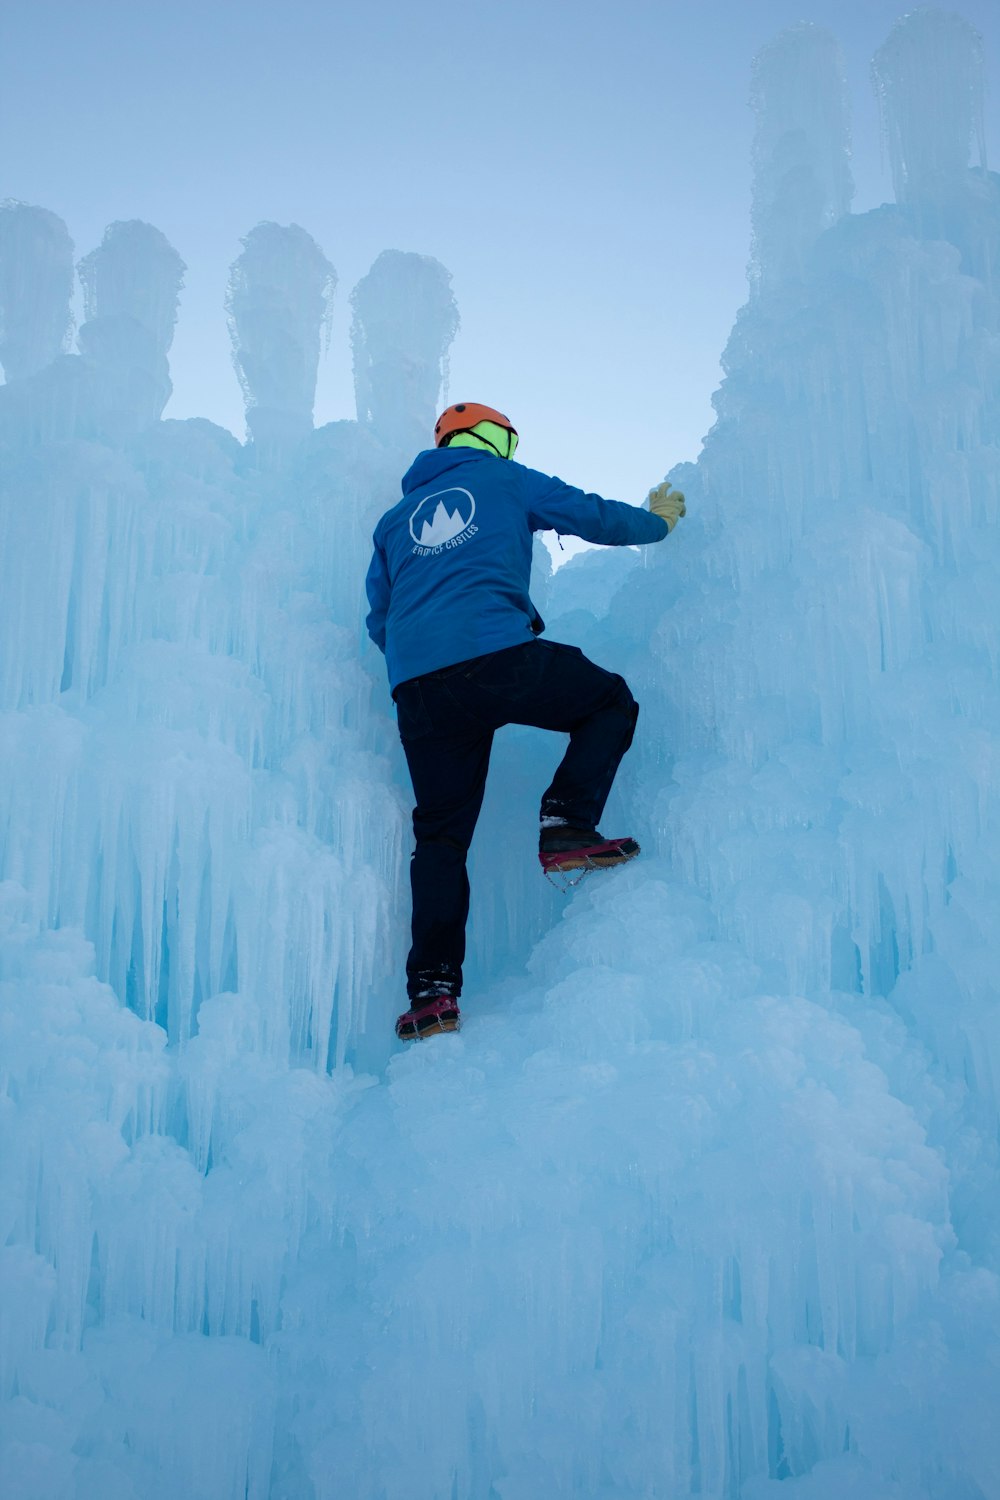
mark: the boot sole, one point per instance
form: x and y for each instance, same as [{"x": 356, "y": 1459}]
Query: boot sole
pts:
[
  {"x": 414, "y": 1034},
  {"x": 591, "y": 864},
  {"x": 557, "y": 863}
]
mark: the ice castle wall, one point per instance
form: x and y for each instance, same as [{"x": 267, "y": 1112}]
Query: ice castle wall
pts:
[
  {"x": 701, "y": 1201},
  {"x": 201, "y": 843}
]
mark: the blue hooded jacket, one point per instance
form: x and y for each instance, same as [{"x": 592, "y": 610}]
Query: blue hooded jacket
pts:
[{"x": 449, "y": 575}]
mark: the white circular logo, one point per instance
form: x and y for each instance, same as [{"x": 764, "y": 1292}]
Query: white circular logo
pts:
[{"x": 442, "y": 517}]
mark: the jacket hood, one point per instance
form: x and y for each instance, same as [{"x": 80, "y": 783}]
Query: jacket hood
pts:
[{"x": 433, "y": 462}]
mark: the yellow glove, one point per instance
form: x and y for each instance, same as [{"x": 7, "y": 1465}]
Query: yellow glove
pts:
[{"x": 667, "y": 503}]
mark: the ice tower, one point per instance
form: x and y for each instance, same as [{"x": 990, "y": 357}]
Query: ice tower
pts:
[
  {"x": 929, "y": 79},
  {"x": 36, "y": 283},
  {"x": 280, "y": 300},
  {"x": 930, "y": 84},
  {"x": 404, "y": 321},
  {"x": 131, "y": 284},
  {"x": 802, "y": 178}
]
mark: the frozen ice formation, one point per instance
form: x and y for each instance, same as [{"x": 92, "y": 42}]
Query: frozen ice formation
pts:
[
  {"x": 703, "y": 1199},
  {"x": 36, "y": 284},
  {"x": 133, "y": 279},
  {"x": 119, "y": 382},
  {"x": 280, "y": 300},
  {"x": 131, "y": 284},
  {"x": 404, "y": 321},
  {"x": 802, "y": 177},
  {"x": 929, "y": 79}
]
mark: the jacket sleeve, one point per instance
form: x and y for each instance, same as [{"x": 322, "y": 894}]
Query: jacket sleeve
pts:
[
  {"x": 555, "y": 506},
  {"x": 377, "y": 588}
]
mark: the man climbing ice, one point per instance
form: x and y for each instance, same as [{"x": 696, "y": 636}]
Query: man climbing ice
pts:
[{"x": 448, "y": 589}]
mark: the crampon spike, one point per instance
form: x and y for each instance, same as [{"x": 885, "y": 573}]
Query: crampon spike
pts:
[
  {"x": 565, "y": 880},
  {"x": 428, "y": 1017},
  {"x": 565, "y": 868}
]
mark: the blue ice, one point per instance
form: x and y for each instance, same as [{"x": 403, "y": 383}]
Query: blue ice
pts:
[{"x": 703, "y": 1198}]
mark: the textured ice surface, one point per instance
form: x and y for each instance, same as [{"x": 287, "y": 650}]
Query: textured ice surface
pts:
[
  {"x": 36, "y": 284},
  {"x": 703, "y": 1199},
  {"x": 280, "y": 298},
  {"x": 802, "y": 175}
]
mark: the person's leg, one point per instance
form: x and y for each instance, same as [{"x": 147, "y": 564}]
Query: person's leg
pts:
[
  {"x": 556, "y": 687},
  {"x": 448, "y": 757},
  {"x": 598, "y": 741}
]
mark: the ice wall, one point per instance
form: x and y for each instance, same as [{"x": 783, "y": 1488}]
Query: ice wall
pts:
[
  {"x": 702, "y": 1200},
  {"x": 199, "y": 843},
  {"x": 822, "y": 680},
  {"x": 847, "y": 646},
  {"x": 164, "y": 727}
]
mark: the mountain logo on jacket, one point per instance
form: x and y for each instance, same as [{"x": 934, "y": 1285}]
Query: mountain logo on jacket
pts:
[{"x": 443, "y": 521}]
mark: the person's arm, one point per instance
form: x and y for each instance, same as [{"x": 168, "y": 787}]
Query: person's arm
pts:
[
  {"x": 377, "y": 588},
  {"x": 555, "y": 506}
]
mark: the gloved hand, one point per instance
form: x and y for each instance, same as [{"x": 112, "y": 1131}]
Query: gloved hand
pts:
[{"x": 667, "y": 503}]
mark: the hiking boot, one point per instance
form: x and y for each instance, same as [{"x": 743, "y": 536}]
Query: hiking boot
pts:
[
  {"x": 565, "y": 848},
  {"x": 428, "y": 1017}
]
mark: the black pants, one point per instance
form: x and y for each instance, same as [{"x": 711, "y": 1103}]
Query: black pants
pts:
[{"x": 447, "y": 720}]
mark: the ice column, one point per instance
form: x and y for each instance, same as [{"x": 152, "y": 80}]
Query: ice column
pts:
[
  {"x": 131, "y": 284},
  {"x": 280, "y": 295},
  {"x": 36, "y": 283},
  {"x": 802, "y": 180},
  {"x": 929, "y": 78},
  {"x": 404, "y": 321}
]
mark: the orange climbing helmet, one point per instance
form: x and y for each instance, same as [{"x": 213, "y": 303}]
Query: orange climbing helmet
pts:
[{"x": 464, "y": 416}]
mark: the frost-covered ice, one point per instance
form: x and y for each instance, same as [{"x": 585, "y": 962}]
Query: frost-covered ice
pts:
[{"x": 703, "y": 1199}]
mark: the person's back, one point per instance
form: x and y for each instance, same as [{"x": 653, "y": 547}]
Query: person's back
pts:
[
  {"x": 457, "y": 549},
  {"x": 448, "y": 589}
]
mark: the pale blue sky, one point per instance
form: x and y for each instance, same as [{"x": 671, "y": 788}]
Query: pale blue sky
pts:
[{"x": 582, "y": 170}]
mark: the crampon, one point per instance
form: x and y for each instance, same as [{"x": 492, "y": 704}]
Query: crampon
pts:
[
  {"x": 565, "y": 867},
  {"x": 427, "y": 1017}
]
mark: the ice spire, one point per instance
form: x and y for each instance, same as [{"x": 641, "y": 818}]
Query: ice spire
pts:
[
  {"x": 404, "y": 321},
  {"x": 928, "y": 75},
  {"x": 36, "y": 284},
  {"x": 280, "y": 295},
  {"x": 131, "y": 284},
  {"x": 802, "y": 179}
]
